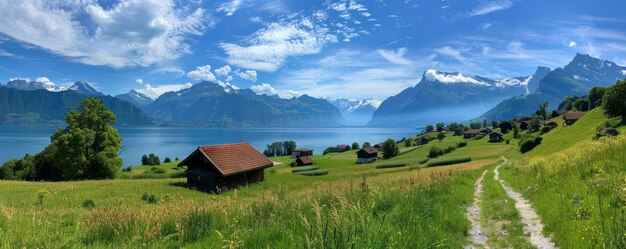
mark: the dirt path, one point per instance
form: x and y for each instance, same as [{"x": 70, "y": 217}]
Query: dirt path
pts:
[
  {"x": 532, "y": 222},
  {"x": 477, "y": 233}
]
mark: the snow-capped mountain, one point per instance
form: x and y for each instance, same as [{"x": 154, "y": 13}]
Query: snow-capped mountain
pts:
[
  {"x": 448, "y": 96},
  {"x": 137, "y": 98},
  {"x": 84, "y": 88},
  {"x": 356, "y": 112}
]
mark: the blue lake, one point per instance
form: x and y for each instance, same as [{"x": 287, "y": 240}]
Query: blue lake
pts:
[{"x": 16, "y": 141}]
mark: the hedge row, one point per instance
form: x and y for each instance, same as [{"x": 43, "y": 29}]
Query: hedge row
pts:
[
  {"x": 449, "y": 160},
  {"x": 317, "y": 172}
]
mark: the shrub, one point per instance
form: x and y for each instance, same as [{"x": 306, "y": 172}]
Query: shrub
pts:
[
  {"x": 390, "y": 149},
  {"x": 88, "y": 204},
  {"x": 508, "y": 141},
  {"x": 391, "y": 165},
  {"x": 479, "y": 136},
  {"x": 528, "y": 144},
  {"x": 435, "y": 152},
  {"x": 304, "y": 168},
  {"x": 157, "y": 170},
  {"x": 448, "y": 161},
  {"x": 545, "y": 130},
  {"x": 128, "y": 169},
  {"x": 167, "y": 160},
  {"x": 149, "y": 198},
  {"x": 449, "y": 149},
  {"x": 317, "y": 172},
  {"x": 462, "y": 144}
]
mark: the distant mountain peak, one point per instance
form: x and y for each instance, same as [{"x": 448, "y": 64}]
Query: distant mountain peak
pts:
[
  {"x": 84, "y": 88},
  {"x": 453, "y": 78}
]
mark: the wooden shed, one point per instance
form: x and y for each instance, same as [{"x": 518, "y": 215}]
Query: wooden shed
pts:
[
  {"x": 571, "y": 117},
  {"x": 496, "y": 137},
  {"x": 304, "y": 160},
  {"x": 302, "y": 152},
  {"x": 367, "y": 155},
  {"x": 218, "y": 167}
]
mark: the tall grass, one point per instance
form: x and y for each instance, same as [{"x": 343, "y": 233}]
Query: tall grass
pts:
[
  {"x": 580, "y": 193},
  {"x": 449, "y": 161}
]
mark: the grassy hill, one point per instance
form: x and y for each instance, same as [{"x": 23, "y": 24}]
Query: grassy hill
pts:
[{"x": 572, "y": 181}]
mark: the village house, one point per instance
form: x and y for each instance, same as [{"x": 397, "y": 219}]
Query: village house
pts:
[
  {"x": 522, "y": 119},
  {"x": 474, "y": 132},
  {"x": 557, "y": 113},
  {"x": 496, "y": 137},
  {"x": 217, "y": 167},
  {"x": 367, "y": 155},
  {"x": 342, "y": 148},
  {"x": 378, "y": 146},
  {"x": 304, "y": 160},
  {"x": 571, "y": 117},
  {"x": 302, "y": 152},
  {"x": 443, "y": 129},
  {"x": 550, "y": 123}
]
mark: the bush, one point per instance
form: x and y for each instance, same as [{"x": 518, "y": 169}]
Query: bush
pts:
[
  {"x": 448, "y": 161},
  {"x": 88, "y": 204},
  {"x": 128, "y": 169},
  {"x": 545, "y": 130},
  {"x": 391, "y": 165},
  {"x": 449, "y": 149},
  {"x": 167, "y": 160},
  {"x": 435, "y": 152},
  {"x": 479, "y": 136},
  {"x": 149, "y": 198},
  {"x": 462, "y": 144},
  {"x": 529, "y": 143},
  {"x": 317, "y": 172},
  {"x": 508, "y": 141},
  {"x": 304, "y": 168},
  {"x": 293, "y": 164},
  {"x": 157, "y": 170},
  {"x": 401, "y": 163}
]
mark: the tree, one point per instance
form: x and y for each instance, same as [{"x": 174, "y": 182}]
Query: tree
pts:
[
  {"x": 542, "y": 111},
  {"x": 144, "y": 160},
  {"x": 408, "y": 142},
  {"x": 440, "y": 125},
  {"x": 515, "y": 129},
  {"x": 494, "y": 124},
  {"x": 88, "y": 148},
  {"x": 581, "y": 104},
  {"x": 289, "y": 147},
  {"x": 614, "y": 100},
  {"x": 440, "y": 136},
  {"x": 484, "y": 123},
  {"x": 595, "y": 96},
  {"x": 355, "y": 146},
  {"x": 430, "y": 128},
  {"x": 167, "y": 160},
  {"x": 366, "y": 144},
  {"x": 534, "y": 124},
  {"x": 390, "y": 148},
  {"x": 475, "y": 125}
]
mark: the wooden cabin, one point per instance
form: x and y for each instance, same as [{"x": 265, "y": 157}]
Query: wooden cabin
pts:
[
  {"x": 367, "y": 155},
  {"x": 218, "y": 167},
  {"x": 342, "y": 148},
  {"x": 304, "y": 160},
  {"x": 302, "y": 152},
  {"x": 571, "y": 117},
  {"x": 378, "y": 146},
  {"x": 443, "y": 129},
  {"x": 473, "y": 132},
  {"x": 548, "y": 123},
  {"x": 496, "y": 137},
  {"x": 557, "y": 113}
]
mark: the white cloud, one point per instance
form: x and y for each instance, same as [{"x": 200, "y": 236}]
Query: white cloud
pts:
[
  {"x": 452, "y": 78},
  {"x": 264, "y": 88},
  {"x": 290, "y": 94},
  {"x": 126, "y": 34},
  {"x": 572, "y": 44},
  {"x": 396, "y": 57},
  {"x": 485, "y": 26},
  {"x": 223, "y": 71},
  {"x": 451, "y": 52},
  {"x": 202, "y": 73},
  {"x": 139, "y": 81},
  {"x": 46, "y": 82},
  {"x": 229, "y": 7},
  {"x": 268, "y": 48},
  {"x": 229, "y": 78},
  {"x": 155, "y": 92},
  {"x": 492, "y": 6},
  {"x": 5, "y": 53},
  {"x": 247, "y": 75},
  {"x": 19, "y": 78}
]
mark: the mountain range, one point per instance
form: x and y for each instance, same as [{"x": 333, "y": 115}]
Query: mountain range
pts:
[
  {"x": 356, "y": 112},
  {"x": 576, "y": 78},
  {"x": 446, "y": 96}
]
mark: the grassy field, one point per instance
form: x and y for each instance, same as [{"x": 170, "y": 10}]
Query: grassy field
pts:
[{"x": 575, "y": 184}]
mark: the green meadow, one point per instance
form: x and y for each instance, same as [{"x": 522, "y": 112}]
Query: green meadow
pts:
[{"x": 410, "y": 201}]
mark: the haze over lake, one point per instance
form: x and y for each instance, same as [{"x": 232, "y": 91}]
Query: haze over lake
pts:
[{"x": 173, "y": 142}]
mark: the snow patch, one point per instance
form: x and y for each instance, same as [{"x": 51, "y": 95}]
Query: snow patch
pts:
[
  {"x": 623, "y": 72},
  {"x": 432, "y": 74},
  {"x": 513, "y": 82}
]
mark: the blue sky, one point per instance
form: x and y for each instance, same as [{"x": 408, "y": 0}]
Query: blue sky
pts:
[{"x": 353, "y": 49}]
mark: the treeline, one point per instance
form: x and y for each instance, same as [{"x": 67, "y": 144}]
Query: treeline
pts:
[
  {"x": 87, "y": 148},
  {"x": 280, "y": 148}
]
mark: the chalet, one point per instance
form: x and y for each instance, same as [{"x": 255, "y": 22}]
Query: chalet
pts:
[
  {"x": 557, "y": 113},
  {"x": 378, "y": 146},
  {"x": 216, "y": 167},
  {"x": 496, "y": 137},
  {"x": 571, "y": 117},
  {"x": 550, "y": 123},
  {"x": 473, "y": 132},
  {"x": 302, "y": 152},
  {"x": 443, "y": 129},
  {"x": 342, "y": 148},
  {"x": 367, "y": 155},
  {"x": 304, "y": 160}
]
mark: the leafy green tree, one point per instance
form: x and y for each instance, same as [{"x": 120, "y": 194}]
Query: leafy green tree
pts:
[
  {"x": 88, "y": 147},
  {"x": 355, "y": 146},
  {"x": 144, "y": 160},
  {"x": 581, "y": 104},
  {"x": 289, "y": 147},
  {"x": 22, "y": 169},
  {"x": 367, "y": 144},
  {"x": 484, "y": 123},
  {"x": 390, "y": 148},
  {"x": 475, "y": 125},
  {"x": 440, "y": 125},
  {"x": 440, "y": 136},
  {"x": 408, "y": 142},
  {"x": 614, "y": 100},
  {"x": 167, "y": 160},
  {"x": 494, "y": 124},
  {"x": 430, "y": 128},
  {"x": 515, "y": 129},
  {"x": 595, "y": 96},
  {"x": 543, "y": 111},
  {"x": 534, "y": 124}
]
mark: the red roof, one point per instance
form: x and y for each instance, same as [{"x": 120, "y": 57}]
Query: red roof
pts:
[{"x": 231, "y": 159}]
